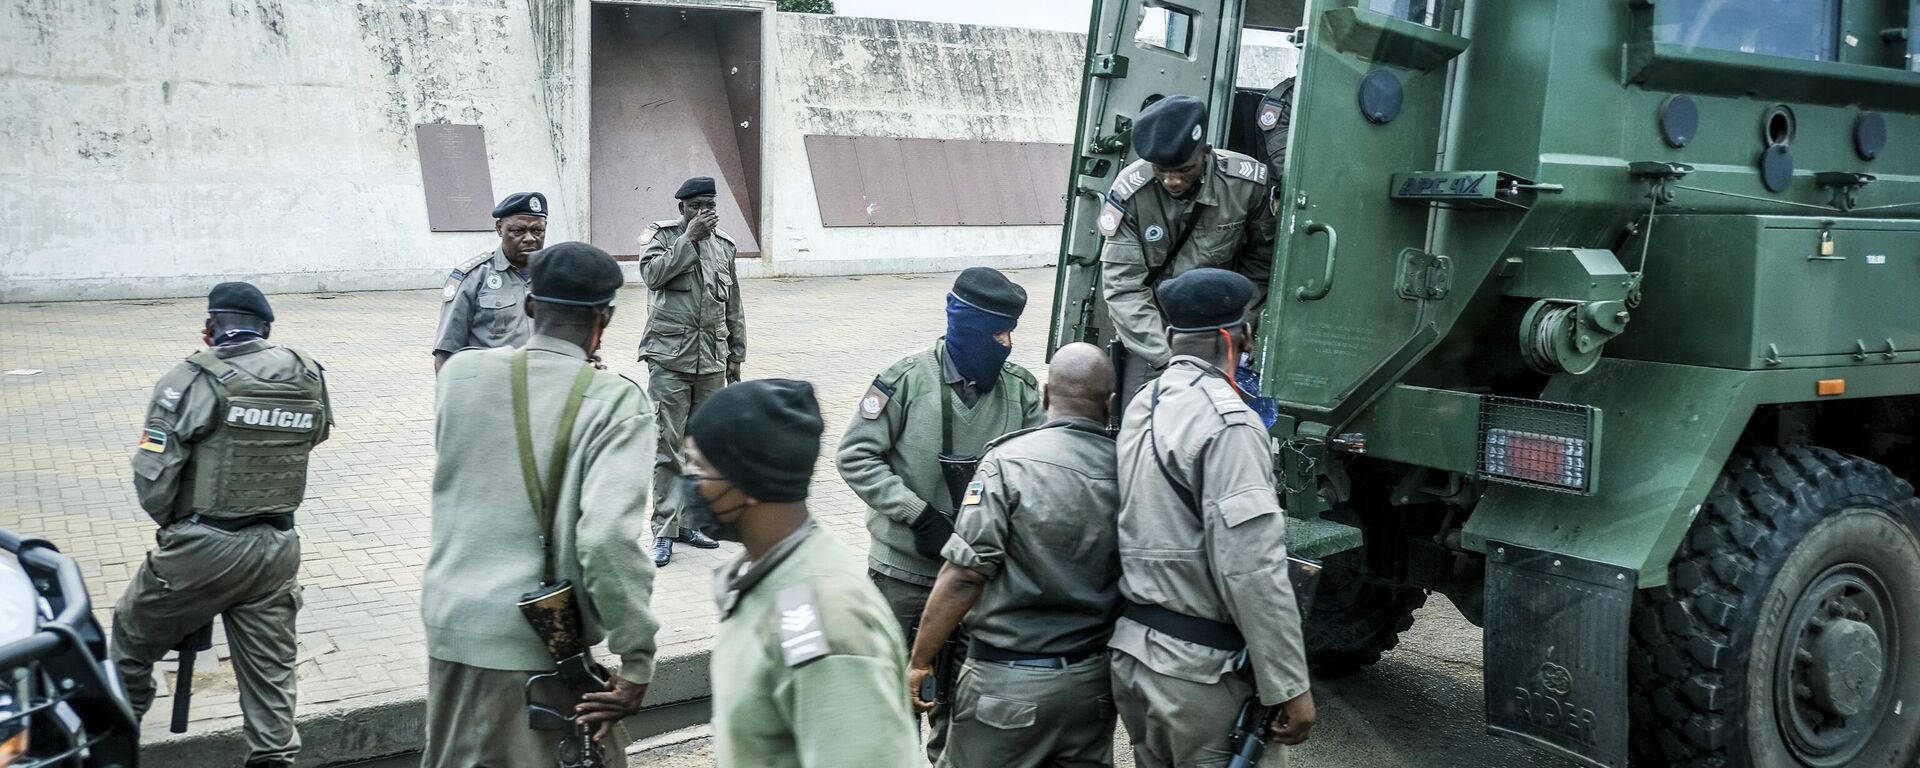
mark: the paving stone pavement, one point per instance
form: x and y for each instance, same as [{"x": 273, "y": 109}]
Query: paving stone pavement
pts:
[{"x": 67, "y": 433}]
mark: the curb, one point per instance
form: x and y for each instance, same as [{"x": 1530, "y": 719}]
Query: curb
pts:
[{"x": 394, "y": 723}]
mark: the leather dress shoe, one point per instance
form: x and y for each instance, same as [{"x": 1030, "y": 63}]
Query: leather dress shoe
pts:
[
  {"x": 662, "y": 551},
  {"x": 697, "y": 540}
]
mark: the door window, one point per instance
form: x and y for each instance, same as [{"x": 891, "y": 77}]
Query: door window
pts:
[
  {"x": 1795, "y": 29},
  {"x": 1168, "y": 29}
]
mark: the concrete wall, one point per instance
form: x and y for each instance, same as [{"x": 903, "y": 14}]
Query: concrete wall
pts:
[{"x": 157, "y": 146}]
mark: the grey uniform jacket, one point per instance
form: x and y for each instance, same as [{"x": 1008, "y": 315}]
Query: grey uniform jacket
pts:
[
  {"x": 1230, "y": 564},
  {"x": 1232, "y": 215},
  {"x": 695, "y": 321},
  {"x": 483, "y": 305}
]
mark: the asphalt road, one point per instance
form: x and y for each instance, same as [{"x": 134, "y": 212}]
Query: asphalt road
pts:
[{"x": 1420, "y": 706}]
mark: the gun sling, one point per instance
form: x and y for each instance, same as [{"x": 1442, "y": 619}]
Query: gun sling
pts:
[{"x": 545, "y": 496}]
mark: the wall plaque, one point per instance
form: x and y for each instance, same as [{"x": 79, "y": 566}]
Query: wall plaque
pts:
[{"x": 454, "y": 173}]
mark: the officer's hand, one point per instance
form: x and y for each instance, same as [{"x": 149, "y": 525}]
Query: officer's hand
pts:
[
  {"x": 621, "y": 699},
  {"x": 698, "y": 229},
  {"x": 930, "y": 532},
  {"x": 733, "y": 372},
  {"x": 915, "y": 676},
  {"x": 1296, "y": 718}
]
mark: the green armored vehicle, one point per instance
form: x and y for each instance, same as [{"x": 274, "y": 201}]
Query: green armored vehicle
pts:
[{"x": 1602, "y": 319}]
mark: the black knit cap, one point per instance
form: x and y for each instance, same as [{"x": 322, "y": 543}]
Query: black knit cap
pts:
[
  {"x": 518, "y": 203},
  {"x": 762, "y": 435},
  {"x": 238, "y": 298},
  {"x": 575, "y": 274},
  {"x": 1167, "y": 132},
  {"x": 695, "y": 187},
  {"x": 1205, "y": 299},
  {"x": 987, "y": 290}
]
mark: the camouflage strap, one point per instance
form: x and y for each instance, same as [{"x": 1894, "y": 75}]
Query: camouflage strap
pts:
[{"x": 545, "y": 496}]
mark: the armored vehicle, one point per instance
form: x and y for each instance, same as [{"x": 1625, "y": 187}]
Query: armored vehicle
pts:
[{"x": 1597, "y": 317}]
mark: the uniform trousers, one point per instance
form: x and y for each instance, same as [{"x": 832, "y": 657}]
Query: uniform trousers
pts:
[
  {"x": 1021, "y": 717},
  {"x": 248, "y": 578},
  {"x": 908, "y": 600},
  {"x": 477, "y": 718},
  {"x": 1133, "y": 373},
  {"x": 675, "y": 396},
  {"x": 1178, "y": 723}
]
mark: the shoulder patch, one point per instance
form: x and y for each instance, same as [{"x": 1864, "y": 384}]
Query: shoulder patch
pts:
[
  {"x": 1241, "y": 166},
  {"x": 1110, "y": 216},
  {"x": 1226, "y": 401},
  {"x": 1130, "y": 180},
  {"x": 875, "y": 400},
  {"x": 802, "y": 639},
  {"x": 172, "y": 388}
]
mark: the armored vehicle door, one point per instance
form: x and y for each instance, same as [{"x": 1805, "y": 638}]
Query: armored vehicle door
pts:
[
  {"x": 1137, "y": 50},
  {"x": 1348, "y": 306}
]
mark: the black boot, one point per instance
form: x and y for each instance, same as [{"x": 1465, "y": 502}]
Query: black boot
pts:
[{"x": 662, "y": 551}]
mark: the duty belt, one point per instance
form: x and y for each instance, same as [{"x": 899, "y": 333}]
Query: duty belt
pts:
[
  {"x": 283, "y": 522},
  {"x": 1193, "y": 629},
  {"x": 980, "y": 651}
]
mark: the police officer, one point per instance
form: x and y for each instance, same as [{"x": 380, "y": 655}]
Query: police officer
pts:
[
  {"x": 221, "y": 466},
  {"x": 481, "y": 305},
  {"x": 808, "y": 660},
  {"x": 1183, "y": 204},
  {"x": 1203, "y": 631},
  {"x": 696, "y": 339},
  {"x": 488, "y": 544},
  {"x": 918, "y": 433},
  {"x": 1034, "y": 566}
]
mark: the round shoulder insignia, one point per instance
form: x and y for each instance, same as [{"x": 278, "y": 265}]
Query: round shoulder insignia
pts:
[
  {"x": 870, "y": 405},
  {"x": 1154, "y": 233},
  {"x": 447, "y": 293},
  {"x": 493, "y": 281},
  {"x": 1108, "y": 221},
  {"x": 1269, "y": 117}
]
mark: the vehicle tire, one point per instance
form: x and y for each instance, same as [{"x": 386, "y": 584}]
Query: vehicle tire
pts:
[
  {"x": 1352, "y": 620},
  {"x": 1789, "y": 633}
]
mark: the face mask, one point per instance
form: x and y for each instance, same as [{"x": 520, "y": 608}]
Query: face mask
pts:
[
  {"x": 695, "y": 514},
  {"x": 970, "y": 343}
]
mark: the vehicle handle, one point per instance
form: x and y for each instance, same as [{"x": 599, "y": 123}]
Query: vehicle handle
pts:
[{"x": 1306, "y": 293}]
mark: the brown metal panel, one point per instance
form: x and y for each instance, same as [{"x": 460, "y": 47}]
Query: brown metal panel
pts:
[
  {"x": 836, "y": 181},
  {"x": 1018, "y": 203},
  {"x": 883, "y": 177},
  {"x": 1047, "y": 167},
  {"x": 926, "y": 173},
  {"x": 454, "y": 173},
  {"x": 977, "y": 182}
]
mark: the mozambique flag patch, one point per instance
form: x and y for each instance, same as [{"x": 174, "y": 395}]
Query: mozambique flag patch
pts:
[
  {"x": 973, "y": 494},
  {"x": 154, "y": 440}
]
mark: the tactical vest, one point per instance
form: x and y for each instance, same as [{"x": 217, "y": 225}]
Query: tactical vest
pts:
[{"x": 255, "y": 460}]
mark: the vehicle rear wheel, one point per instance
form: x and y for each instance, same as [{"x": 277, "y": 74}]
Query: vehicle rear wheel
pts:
[
  {"x": 1789, "y": 634},
  {"x": 1353, "y": 620}
]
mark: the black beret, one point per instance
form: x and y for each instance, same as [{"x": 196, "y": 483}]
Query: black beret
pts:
[
  {"x": 239, "y": 298},
  {"x": 989, "y": 291},
  {"x": 1168, "y": 131},
  {"x": 575, "y": 274},
  {"x": 695, "y": 187},
  {"x": 529, "y": 203},
  {"x": 1205, "y": 299},
  {"x": 762, "y": 435}
]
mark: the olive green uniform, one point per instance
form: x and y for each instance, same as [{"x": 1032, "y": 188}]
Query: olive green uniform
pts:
[
  {"x": 484, "y": 305},
  {"x": 695, "y": 327},
  {"x": 889, "y": 456},
  {"x": 808, "y": 666},
  {"x": 486, "y": 546},
  {"x": 1226, "y": 564},
  {"x": 1039, "y": 523},
  {"x": 1227, "y": 222},
  {"x": 223, "y": 454}
]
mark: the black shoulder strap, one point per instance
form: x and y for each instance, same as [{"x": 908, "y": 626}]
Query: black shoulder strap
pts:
[
  {"x": 1179, "y": 241},
  {"x": 1180, "y": 489}
]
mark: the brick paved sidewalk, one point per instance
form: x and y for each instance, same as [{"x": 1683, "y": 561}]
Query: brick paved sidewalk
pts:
[{"x": 66, "y": 435}]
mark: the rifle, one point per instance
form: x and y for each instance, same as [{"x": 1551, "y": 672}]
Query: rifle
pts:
[
  {"x": 554, "y": 614},
  {"x": 190, "y": 646},
  {"x": 1248, "y": 736},
  {"x": 1117, "y": 353}
]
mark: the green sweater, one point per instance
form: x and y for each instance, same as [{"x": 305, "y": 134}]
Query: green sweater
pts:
[
  {"x": 890, "y": 453},
  {"x": 486, "y": 544}
]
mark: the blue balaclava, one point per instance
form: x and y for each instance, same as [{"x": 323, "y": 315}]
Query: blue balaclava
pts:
[{"x": 970, "y": 342}]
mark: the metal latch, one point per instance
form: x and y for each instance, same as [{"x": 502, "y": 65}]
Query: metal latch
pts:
[
  {"x": 1470, "y": 189},
  {"x": 1846, "y": 185},
  {"x": 1661, "y": 176},
  {"x": 1424, "y": 276},
  {"x": 1111, "y": 66}
]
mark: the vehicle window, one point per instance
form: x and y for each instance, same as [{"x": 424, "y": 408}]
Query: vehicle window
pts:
[
  {"x": 1168, "y": 29},
  {"x": 1416, "y": 11},
  {"x": 1796, "y": 29}
]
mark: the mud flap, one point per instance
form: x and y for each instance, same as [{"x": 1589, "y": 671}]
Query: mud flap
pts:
[{"x": 1556, "y": 652}]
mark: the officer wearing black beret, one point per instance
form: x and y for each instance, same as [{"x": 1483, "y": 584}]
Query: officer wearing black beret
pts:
[
  {"x": 1184, "y": 204},
  {"x": 222, "y": 466},
  {"x": 481, "y": 303},
  {"x": 534, "y": 483},
  {"x": 696, "y": 338},
  {"x": 1196, "y": 476},
  {"x": 919, "y": 432}
]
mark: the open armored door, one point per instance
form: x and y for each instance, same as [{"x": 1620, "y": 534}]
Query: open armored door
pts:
[
  {"x": 1136, "y": 50},
  {"x": 1352, "y": 279}
]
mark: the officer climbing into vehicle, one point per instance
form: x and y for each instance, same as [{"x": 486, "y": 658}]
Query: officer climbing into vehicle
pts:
[{"x": 222, "y": 465}]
